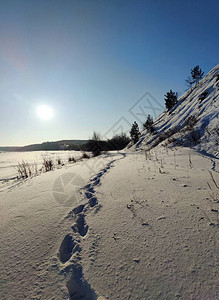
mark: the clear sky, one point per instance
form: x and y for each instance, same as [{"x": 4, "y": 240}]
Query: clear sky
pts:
[{"x": 90, "y": 61}]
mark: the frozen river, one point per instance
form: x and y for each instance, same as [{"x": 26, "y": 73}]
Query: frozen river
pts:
[{"x": 10, "y": 160}]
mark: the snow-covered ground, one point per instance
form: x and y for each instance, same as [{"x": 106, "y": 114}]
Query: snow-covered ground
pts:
[
  {"x": 123, "y": 226},
  {"x": 157, "y": 234},
  {"x": 33, "y": 221}
]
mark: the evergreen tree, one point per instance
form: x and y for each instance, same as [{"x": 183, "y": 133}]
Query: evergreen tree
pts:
[
  {"x": 197, "y": 74},
  {"x": 149, "y": 124},
  {"x": 134, "y": 132},
  {"x": 170, "y": 99}
]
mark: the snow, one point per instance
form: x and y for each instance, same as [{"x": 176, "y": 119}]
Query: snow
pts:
[
  {"x": 138, "y": 226},
  {"x": 34, "y": 216},
  {"x": 10, "y": 160}
]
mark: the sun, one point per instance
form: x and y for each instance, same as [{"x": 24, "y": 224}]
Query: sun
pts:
[{"x": 45, "y": 112}]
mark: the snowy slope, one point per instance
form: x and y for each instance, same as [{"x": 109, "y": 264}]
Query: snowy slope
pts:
[{"x": 194, "y": 120}]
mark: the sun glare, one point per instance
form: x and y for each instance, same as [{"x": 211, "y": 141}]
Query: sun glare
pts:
[{"x": 45, "y": 112}]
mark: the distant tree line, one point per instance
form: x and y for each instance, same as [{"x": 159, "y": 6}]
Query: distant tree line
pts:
[{"x": 96, "y": 145}]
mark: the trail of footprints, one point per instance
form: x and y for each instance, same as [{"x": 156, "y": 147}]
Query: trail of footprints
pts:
[{"x": 70, "y": 248}]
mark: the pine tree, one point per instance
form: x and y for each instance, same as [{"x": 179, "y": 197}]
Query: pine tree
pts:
[
  {"x": 134, "y": 132},
  {"x": 170, "y": 99},
  {"x": 197, "y": 74},
  {"x": 149, "y": 124}
]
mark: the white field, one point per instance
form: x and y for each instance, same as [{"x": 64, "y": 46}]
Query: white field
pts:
[
  {"x": 121, "y": 226},
  {"x": 10, "y": 160}
]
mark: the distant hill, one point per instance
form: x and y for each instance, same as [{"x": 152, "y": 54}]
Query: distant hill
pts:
[
  {"x": 9, "y": 149},
  {"x": 48, "y": 146}
]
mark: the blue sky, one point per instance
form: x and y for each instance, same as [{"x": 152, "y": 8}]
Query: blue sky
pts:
[{"x": 90, "y": 61}]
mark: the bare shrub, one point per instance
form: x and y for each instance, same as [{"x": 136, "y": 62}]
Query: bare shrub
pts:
[
  {"x": 203, "y": 96},
  {"x": 163, "y": 136},
  {"x": 167, "y": 134},
  {"x": 71, "y": 159},
  {"x": 85, "y": 155},
  {"x": 48, "y": 164},
  {"x": 191, "y": 121},
  {"x": 26, "y": 170},
  {"x": 171, "y": 140},
  {"x": 194, "y": 136},
  {"x": 59, "y": 161},
  {"x": 23, "y": 169}
]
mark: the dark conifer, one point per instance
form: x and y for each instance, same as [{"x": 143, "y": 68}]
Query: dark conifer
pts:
[
  {"x": 197, "y": 74},
  {"x": 134, "y": 133},
  {"x": 149, "y": 124},
  {"x": 170, "y": 99}
]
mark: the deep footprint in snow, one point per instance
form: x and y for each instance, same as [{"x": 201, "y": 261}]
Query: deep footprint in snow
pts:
[
  {"x": 96, "y": 181},
  {"x": 88, "y": 195},
  {"x": 91, "y": 190},
  {"x": 81, "y": 226},
  {"x": 77, "y": 286},
  {"x": 66, "y": 248},
  {"x": 78, "y": 209},
  {"x": 93, "y": 201}
]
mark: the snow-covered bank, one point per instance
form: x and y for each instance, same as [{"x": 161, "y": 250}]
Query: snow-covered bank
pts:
[{"x": 192, "y": 122}]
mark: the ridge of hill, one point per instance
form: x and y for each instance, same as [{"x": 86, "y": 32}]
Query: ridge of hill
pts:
[
  {"x": 192, "y": 122},
  {"x": 57, "y": 145}
]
